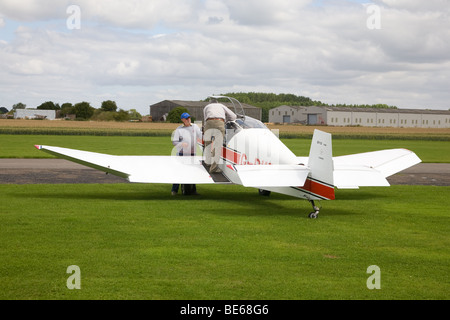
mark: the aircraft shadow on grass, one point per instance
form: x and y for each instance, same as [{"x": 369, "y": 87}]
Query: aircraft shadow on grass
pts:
[{"x": 230, "y": 203}]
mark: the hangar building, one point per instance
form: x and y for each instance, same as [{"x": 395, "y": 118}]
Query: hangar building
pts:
[
  {"x": 365, "y": 117},
  {"x": 34, "y": 114}
]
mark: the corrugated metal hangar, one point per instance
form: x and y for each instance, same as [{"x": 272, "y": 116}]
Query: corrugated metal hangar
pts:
[{"x": 365, "y": 117}]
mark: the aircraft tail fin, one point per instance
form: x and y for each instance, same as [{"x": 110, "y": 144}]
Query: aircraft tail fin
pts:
[{"x": 320, "y": 162}]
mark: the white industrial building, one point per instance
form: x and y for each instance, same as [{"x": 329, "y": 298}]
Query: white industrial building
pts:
[
  {"x": 34, "y": 114},
  {"x": 365, "y": 117}
]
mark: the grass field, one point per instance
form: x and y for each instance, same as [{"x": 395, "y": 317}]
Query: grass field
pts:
[
  {"x": 155, "y": 128},
  {"x": 137, "y": 242},
  {"x": 134, "y": 241}
]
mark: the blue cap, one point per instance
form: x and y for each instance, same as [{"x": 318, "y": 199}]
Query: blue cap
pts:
[{"x": 185, "y": 115}]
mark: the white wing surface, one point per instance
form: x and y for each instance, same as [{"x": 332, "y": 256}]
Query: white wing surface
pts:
[
  {"x": 371, "y": 168},
  {"x": 142, "y": 169}
]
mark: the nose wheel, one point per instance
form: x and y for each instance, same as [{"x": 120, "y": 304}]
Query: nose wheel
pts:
[{"x": 315, "y": 213}]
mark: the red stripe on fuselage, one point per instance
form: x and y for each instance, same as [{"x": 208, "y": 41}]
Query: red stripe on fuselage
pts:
[
  {"x": 318, "y": 188},
  {"x": 231, "y": 155}
]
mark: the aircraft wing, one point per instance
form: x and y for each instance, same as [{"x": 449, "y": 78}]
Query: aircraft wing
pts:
[
  {"x": 371, "y": 168},
  {"x": 141, "y": 169}
]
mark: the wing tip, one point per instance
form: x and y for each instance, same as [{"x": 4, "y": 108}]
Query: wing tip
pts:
[{"x": 39, "y": 147}]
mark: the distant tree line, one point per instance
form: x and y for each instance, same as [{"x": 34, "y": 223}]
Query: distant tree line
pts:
[
  {"x": 84, "y": 111},
  {"x": 379, "y": 105}
]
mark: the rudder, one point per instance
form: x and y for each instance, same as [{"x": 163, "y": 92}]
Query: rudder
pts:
[{"x": 320, "y": 162}]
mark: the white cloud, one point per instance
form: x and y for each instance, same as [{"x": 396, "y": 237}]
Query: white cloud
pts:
[
  {"x": 264, "y": 12},
  {"x": 416, "y": 5},
  {"x": 144, "y": 51},
  {"x": 138, "y": 13},
  {"x": 32, "y": 10}
]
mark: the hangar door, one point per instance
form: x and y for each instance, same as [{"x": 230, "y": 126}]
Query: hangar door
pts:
[
  {"x": 286, "y": 119},
  {"x": 312, "y": 118}
]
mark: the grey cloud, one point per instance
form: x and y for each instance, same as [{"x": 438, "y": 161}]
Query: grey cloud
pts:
[{"x": 327, "y": 53}]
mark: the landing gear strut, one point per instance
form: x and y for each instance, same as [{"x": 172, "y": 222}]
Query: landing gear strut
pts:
[{"x": 315, "y": 213}]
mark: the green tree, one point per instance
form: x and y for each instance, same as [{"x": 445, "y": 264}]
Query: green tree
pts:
[
  {"x": 109, "y": 105},
  {"x": 67, "y": 108},
  {"x": 134, "y": 115},
  {"x": 174, "y": 115},
  {"x": 49, "y": 105},
  {"x": 19, "y": 105},
  {"x": 83, "y": 110},
  {"x": 3, "y": 110},
  {"x": 100, "y": 115},
  {"x": 121, "y": 115}
]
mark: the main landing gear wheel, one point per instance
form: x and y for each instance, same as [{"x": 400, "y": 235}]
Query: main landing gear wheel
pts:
[
  {"x": 315, "y": 213},
  {"x": 263, "y": 192}
]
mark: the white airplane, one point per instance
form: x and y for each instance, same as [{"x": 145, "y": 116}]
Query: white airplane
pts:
[{"x": 253, "y": 156}]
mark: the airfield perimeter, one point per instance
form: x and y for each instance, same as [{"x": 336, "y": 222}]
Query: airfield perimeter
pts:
[{"x": 35, "y": 171}]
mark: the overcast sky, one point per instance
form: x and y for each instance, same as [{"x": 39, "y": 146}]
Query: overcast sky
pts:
[{"x": 139, "y": 52}]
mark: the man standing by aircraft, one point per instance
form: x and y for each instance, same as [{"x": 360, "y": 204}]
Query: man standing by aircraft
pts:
[
  {"x": 185, "y": 141},
  {"x": 215, "y": 115}
]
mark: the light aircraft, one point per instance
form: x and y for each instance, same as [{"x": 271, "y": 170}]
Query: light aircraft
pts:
[{"x": 253, "y": 156}]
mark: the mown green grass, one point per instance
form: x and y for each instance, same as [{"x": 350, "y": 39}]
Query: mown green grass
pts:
[
  {"x": 138, "y": 242},
  {"x": 21, "y": 146}
]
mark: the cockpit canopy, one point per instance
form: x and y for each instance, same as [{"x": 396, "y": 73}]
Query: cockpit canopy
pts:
[
  {"x": 242, "y": 123},
  {"x": 248, "y": 122},
  {"x": 245, "y": 123}
]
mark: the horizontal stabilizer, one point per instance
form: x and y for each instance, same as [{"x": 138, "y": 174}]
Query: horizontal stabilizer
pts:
[
  {"x": 272, "y": 175},
  {"x": 354, "y": 177},
  {"x": 371, "y": 168}
]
